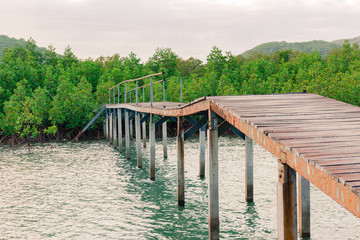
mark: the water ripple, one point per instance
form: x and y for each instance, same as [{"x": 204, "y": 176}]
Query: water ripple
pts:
[{"x": 88, "y": 190}]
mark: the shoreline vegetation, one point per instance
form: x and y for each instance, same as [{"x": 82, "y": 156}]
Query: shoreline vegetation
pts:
[{"x": 45, "y": 96}]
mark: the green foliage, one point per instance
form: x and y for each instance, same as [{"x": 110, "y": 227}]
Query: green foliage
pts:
[
  {"x": 51, "y": 130},
  {"x": 7, "y": 42},
  {"x": 164, "y": 60},
  {"x": 43, "y": 93}
]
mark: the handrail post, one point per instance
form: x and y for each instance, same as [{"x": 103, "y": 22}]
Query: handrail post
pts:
[
  {"x": 181, "y": 90},
  {"x": 119, "y": 94},
  {"x": 151, "y": 92},
  {"x": 114, "y": 94},
  {"x": 125, "y": 91},
  {"x": 137, "y": 92},
  {"x": 143, "y": 94},
  {"x": 164, "y": 89}
]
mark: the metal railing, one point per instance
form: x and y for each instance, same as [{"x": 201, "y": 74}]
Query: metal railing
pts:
[
  {"x": 136, "y": 89},
  {"x": 112, "y": 93}
]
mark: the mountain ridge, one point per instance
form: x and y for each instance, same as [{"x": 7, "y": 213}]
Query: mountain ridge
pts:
[
  {"x": 323, "y": 47},
  {"x": 10, "y": 42}
]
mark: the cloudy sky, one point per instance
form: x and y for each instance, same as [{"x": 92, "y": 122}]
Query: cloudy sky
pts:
[{"x": 189, "y": 27}]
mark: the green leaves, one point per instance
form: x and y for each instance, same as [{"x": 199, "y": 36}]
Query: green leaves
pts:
[{"x": 44, "y": 93}]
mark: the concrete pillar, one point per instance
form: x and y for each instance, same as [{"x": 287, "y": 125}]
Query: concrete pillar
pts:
[
  {"x": 286, "y": 203},
  {"x": 164, "y": 135},
  {"x": 107, "y": 125},
  {"x": 213, "y": 190},
  {"x": 249, "y": 183},
  {"x": 111, "y": 127},
  {"x": 144, "y": 132},
  {"x": 120, "y": 138},
  {"x": 132, "y": 129},
  {"x": 180, "y": 162},
  {"x": 152, "y": 147},
  {"x": 127, "y": 134},
  {"x": 303, "y": 206},
  {"x": 138, "y": 139},
  {"x": 202, "y": 152},
  {"x": 115, "y": 141},
  {"x": 104, "y": 127}
]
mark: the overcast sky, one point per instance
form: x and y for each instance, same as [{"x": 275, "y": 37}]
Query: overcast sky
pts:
[{"x": 189, "y": 27}]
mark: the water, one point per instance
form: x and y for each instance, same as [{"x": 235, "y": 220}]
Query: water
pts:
[{"x": 87, "y": 190}]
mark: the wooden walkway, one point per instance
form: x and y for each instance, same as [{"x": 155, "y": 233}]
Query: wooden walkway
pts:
[{"x": 317, "y": 137}]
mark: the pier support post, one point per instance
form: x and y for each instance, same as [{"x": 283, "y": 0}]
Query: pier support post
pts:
[
  {"x": 249, "y": 182},
  {"x": 131, "y": 129},
  {"x": 120, "y": 138},
  {"x": 152, "y": 147},
  {"x": 111, "y": 127},
  {"x": 107, "y": 125},
  {"x": 144, "y": 132},
  {"x": 104, "y": 127},
  {"x": 286, "y": 203},
  {"x": 202, "y": 152},
  {"x": 213, "y": 190},
  {"x": 180, "y": 162},
  {"x": 138, "y": 139},
  {"x": 164, "y": 135},
  {"x": 115, "y": 141},
  {"x": 127, "y": 134},
  {"x": 304, "y": 206}
]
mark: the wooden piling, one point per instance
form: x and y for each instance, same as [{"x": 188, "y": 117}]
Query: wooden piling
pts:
[
  {"x": 303, "y": 206},
  {"x": 111, "y": 127},
  {"x": 120, "y": 138},
  {"x": 249, "y": 183},
  {"x": 107, "y": 125},
  {"x": 202, "y": 152},
  {"x": 104, "y": 127},
  {"x": 115, "y": 141},
  {"x": 144, "y": 132},
  {"x": 286, "y": 203},
  {"x": 127, "y": 134},
  {"x": 152, "y": 147},
  {"x": 132, "y": 129},
  {"x": 164, "y": 135},
  {"x": 180, "y": 162},
  {"x": 138, "y": 139},
  {"x": 213, "y": 190}
]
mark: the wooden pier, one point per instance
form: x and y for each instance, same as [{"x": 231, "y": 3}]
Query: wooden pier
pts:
[{"x": 315, "y": 139}]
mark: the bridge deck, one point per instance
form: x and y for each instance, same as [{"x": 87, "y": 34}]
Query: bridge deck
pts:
[{"x": 316, "y": 136}]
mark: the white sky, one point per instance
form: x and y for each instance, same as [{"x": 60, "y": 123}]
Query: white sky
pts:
[{"x": 189, "y": 27}]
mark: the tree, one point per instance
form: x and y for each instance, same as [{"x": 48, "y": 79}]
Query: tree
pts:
[{"x": 164, "y": 60}]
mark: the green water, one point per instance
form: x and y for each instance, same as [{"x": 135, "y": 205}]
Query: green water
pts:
[{"x": 88, "y": 190}]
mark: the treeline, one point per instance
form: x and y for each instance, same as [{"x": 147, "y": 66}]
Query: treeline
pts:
[{"x": 45, "y": 95}]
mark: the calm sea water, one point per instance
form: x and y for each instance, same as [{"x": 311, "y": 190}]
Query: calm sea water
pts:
[{"x": 88, "y": 190}]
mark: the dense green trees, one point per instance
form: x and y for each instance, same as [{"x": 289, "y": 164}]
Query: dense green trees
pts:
[{"x": 43, "y": 93}]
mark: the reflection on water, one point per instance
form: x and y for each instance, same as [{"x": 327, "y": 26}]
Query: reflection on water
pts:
[{"x": 88, "y": 190}]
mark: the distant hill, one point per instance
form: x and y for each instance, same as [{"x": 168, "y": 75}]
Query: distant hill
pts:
[
  {"x": 323, "y": 47},
  {"x": 351, "y": 40},
  {"x": 6, "y": 42}
]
